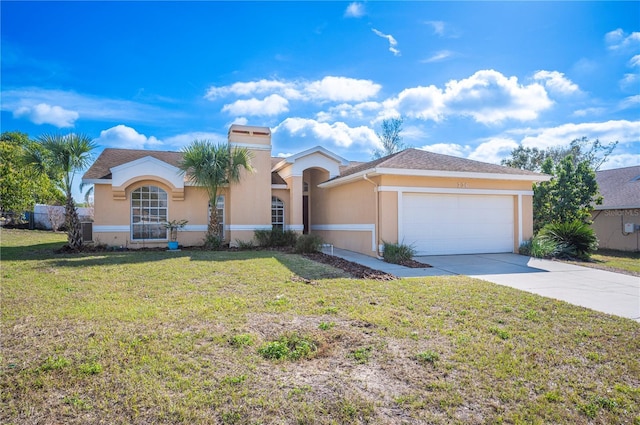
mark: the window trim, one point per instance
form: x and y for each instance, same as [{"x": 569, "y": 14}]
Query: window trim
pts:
[
  {"x": 134, "y": 225},
  {"x": 277, "y": 205}
]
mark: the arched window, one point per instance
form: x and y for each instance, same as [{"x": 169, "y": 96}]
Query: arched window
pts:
[
  {"x": 148, "y": 213},
  {"x": 277, "y": 213}
]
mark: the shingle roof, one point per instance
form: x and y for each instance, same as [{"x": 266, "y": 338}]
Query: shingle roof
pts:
[
  {"x": 417, "y": 159},
  {"x": 619, "y": 187},
  {"x": 110, "y": 157}
]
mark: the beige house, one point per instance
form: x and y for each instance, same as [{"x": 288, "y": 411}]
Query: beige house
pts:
[
  {"x": 439, "y": 204},
  {"x": 617, "y": 221}
]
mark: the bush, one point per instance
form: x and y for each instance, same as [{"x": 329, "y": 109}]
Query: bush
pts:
[
  {"x": 573, "y": 239},
  {"x": 397, "y": 253},
  {"x": 307, "y": 244},
  {"x": 539, "y": 248},
  {"x": 275, "y": 238}
]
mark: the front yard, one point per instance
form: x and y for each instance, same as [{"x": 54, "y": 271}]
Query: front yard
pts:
[{"x": 200, "y": 337}]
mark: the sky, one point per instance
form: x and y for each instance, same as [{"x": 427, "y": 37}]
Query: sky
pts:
[{"x": 470, "y": 79}]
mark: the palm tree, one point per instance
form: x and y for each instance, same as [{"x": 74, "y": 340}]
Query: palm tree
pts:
[
  {"x": 60, "y": 158},
  {"x": 212, "y": 166}
]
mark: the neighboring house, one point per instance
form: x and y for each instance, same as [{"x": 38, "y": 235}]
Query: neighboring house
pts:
[
  {"x": 437, "y": 203},
  {"x": 617, "y": 221}
]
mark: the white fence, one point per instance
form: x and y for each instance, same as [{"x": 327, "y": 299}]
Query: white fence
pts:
[{"x": 43, "y": 215}]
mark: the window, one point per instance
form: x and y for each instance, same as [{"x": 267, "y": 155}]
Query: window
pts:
[
  {"x": 148, "y": 213},
  {"x": 277, "y": 213},
  {"x": 220, "y": 210}
]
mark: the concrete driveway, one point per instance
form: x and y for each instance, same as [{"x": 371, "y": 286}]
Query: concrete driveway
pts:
[{"x": 608, "y": 292}]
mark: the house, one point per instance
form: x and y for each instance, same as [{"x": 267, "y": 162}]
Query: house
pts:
[
  {"x": 439, "y": 204},
  {"x": 617, "y": 221}
]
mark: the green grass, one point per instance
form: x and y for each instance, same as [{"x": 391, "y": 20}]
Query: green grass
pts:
[
  {"x": 175, "y": 338},
  {"x": 623, "y": 261}
]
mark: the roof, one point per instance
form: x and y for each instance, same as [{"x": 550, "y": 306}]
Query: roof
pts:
[
  {"x": 435, "y": 164},
  {"x": 619, "y": 187},
  {"x": 111, "y": 157}
]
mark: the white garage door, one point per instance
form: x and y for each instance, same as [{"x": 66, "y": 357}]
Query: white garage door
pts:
[{"x": 457, "y": 224}]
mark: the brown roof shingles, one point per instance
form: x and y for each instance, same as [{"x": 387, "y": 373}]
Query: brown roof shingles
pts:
[
  {"x": 110, "y": 157},
  {"x": 620, "y": 187},
  {"x": 417, "y": 159}
]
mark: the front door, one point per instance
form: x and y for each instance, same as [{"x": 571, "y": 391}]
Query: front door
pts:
[{"x": 305, "y": 214}]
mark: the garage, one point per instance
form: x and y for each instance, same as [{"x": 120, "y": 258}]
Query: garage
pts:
[{"x": 441, "y": 224}]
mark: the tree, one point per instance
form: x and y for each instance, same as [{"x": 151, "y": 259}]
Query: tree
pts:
[
  {"x": 568, "y": 196},
  {"x": 390, "y": 137},
  {"x": 572, "y": 190},
  {"x": 211, "y": 166},
  {"x": 582, "y": 149},
  {"x": 21, "y": 187},
  {"x": 60, "y": 158}
]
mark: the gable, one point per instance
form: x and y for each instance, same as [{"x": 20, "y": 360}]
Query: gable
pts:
[{"x": 148, "y": 166}]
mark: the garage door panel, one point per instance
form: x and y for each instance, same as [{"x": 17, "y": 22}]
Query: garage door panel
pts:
[{"x": 457, "y": 224}]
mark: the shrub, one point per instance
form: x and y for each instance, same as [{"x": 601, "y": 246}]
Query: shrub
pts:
[
  {"x": 276, "y": 238},
  {"x": 397, "y": 253},
  {"x": 307, "y": 244},
  {"x": 213, "y": 242},
  {"x": 539, "y": 248},
  {"x": 244, "y": 245},
  {"x": 574, "y": 239}
]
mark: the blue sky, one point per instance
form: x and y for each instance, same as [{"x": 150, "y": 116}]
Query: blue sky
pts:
[{"x": 472, "y": 79}]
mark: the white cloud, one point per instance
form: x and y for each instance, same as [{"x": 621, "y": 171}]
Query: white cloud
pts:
[
  {"x": 452, "y": 149},
  {"x": 125, "y": 137},
  {"x": 341, "y": 89},
  {"x": 271, "y": 105},
  {"x": 424, "y": 103},
  {"x": 336, "y": 89},
  {"x": 556, "y": 82},
  {"x": 345, "y": 111},
  {"x": 630, "y": 81},
  {"x": 180, "y": 140},
  {"x": 618, "y": 40},
  {"x": 392, "y": 41},
  {"x": 438, "y": 27},
  {"x": 88, "y": 107},
  {"x": 493, "y": 150},
  {"x": 621, "y": 161},
  {"x": 622, "y": 131},
  {"x": 284, "y": 155},
  {"x": 252, "y": 88},
  {"x": 354, "y": 10},
  {"x": 588, "y": 111},
  {"x": 439, "y": 56},
  {"x": 634, "y": 62},
  {"x": 490, "y": 97},
  {"x": 338, "y": 133},
  {"x": 43, "y": 113},
  {"x": 630, "y": 102}
]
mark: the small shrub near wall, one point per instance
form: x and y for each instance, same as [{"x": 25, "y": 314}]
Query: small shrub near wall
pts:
[
  {"x": 275, "y": 238},
  {"x": 397, "y": 253},
  {"x": 308, "y": 244}
]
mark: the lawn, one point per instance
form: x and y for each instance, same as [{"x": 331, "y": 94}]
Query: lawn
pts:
[
  {"x": 259, "y": 337},
  {"x": 617, "y": 261}
]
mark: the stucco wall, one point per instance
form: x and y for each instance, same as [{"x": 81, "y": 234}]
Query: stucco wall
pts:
[
  {"x": 609, "y": 228},
  {"x": 112, "y": 217}
]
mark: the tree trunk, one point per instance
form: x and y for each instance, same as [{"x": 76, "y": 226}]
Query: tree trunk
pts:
[{"x": 74, "y": 227}]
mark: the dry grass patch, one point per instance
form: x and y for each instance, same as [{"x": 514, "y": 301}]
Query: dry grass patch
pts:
[{"x": 156, "y": 337}]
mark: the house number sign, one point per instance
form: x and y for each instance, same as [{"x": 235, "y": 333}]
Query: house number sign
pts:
[{"x": 463, "y": 185}]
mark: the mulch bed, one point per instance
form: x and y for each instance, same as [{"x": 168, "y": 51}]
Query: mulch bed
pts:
[{"x": 358, "y": 270}]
